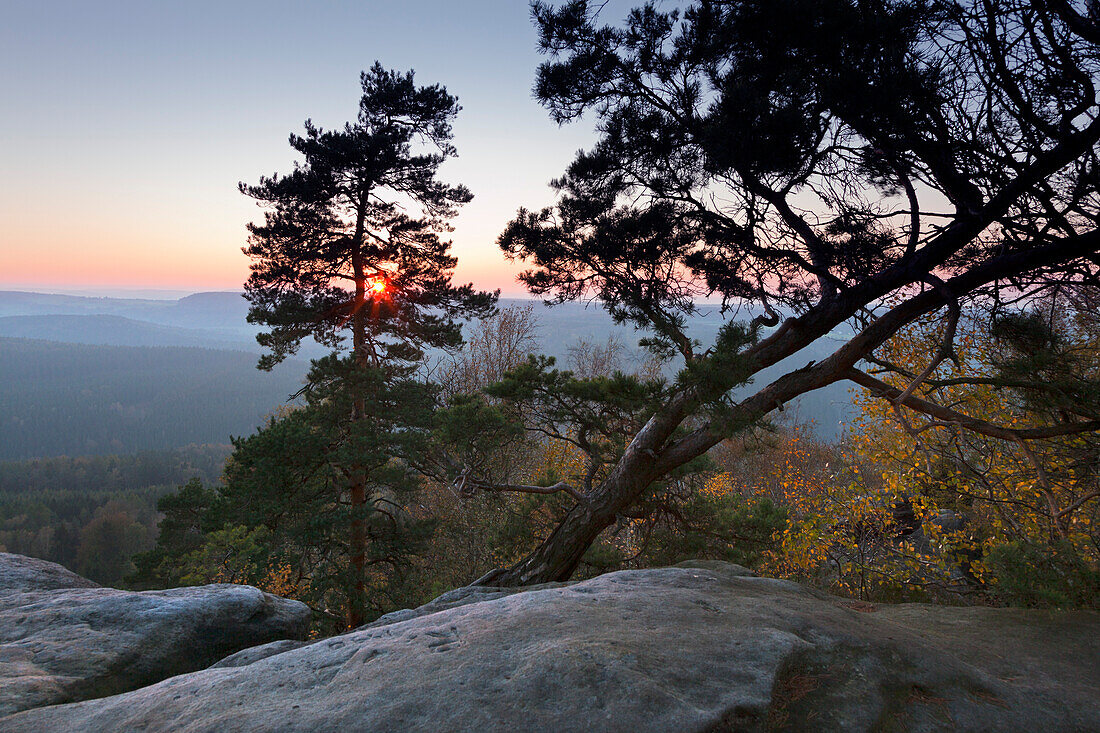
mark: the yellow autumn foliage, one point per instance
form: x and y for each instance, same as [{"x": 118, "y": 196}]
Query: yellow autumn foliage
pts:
[{"x": 922, "y": 503}]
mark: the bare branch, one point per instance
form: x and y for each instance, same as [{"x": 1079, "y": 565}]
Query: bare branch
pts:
[
  {"x": 884, "y": 390},
  {"x": 465, "y": 480}
]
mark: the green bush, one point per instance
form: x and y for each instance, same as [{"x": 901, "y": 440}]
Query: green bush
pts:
[{"x": 1043, "y": 576}]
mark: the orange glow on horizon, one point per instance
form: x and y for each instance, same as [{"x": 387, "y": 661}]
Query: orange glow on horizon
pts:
[{"x": 100, "y": 256}]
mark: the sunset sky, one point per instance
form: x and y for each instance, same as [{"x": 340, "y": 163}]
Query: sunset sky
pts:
[{"x": 127, "y": 126}]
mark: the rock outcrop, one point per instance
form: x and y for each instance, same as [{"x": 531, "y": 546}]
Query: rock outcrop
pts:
[
  {"x": 451, "y": 599},
  {"x": 704, "y": 647},
  {"x": 64, "y": 638},
  {"x": 21, "y": 574}
]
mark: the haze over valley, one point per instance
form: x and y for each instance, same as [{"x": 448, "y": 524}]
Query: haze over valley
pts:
[{"x": 104, "y": 375}]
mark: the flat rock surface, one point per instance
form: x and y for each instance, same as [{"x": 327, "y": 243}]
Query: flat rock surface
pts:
[
  {"x": 64, "y": 638},
  {"x": 700, "y": 648},
  {"x": 451, "y": 599}
]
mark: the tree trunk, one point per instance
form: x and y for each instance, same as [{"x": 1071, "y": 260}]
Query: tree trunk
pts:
[
  {"x": 357, "y": 491},
  {"x": 651, "y": 454},
  {"x": 557, "y": 557},
  {"x": 358, "y": 547}
]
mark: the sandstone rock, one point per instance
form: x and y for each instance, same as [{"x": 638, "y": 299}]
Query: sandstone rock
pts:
[
  {"x": 262, "y": 651},
  {"x": 455, "y": 598},
  {"x": 451, "y": 599},
  {"x": 64, "y": 638},
  {"x": 697, "y": 648},
  {"x": 19, "y": 574}
]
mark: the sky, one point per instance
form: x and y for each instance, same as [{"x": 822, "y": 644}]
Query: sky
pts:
[{"x": 127, "y": 126}]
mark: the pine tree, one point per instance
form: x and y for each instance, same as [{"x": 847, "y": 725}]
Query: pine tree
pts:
[
  {"x": 351, "y": 246},
  {"x": 339, "y": 251},
  {"x": 842, "y": 162}
]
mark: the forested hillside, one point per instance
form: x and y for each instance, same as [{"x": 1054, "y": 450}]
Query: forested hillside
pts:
[{"x": 73, "y": 399}]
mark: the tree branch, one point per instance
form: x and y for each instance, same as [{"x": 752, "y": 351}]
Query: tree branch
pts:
[
  {"x": 560, "y": 487},
  {"x": 983, "y": 427}
]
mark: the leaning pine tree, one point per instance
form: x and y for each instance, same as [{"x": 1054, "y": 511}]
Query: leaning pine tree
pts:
[
  {"x": 865, "y": 163},
  {"x": 350, "y": 246}
]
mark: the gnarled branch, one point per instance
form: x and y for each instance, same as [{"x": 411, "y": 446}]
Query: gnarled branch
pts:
[
  {"x": 466, "y": 480},
  {"x": 983, "y": 427}
]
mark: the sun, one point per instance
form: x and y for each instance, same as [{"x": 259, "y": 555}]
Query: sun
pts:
[{"x": 378, "y": 286}]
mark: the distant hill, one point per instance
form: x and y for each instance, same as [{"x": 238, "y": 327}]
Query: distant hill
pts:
[
  {"x": 220, "y": 316},
  {"x": 216, "y": 310},
  {"x": 223, "y": 313},
  {"x": 21, "y": 303},
  {"x": 213, "y": 309},
  {"x": 209, "y": 320},
  {"x": 118, "y": 331},
  {"x": 77, "y": 399}
]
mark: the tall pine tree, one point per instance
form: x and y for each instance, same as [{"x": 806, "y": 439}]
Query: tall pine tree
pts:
[{"x": 351, "y": 247}]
